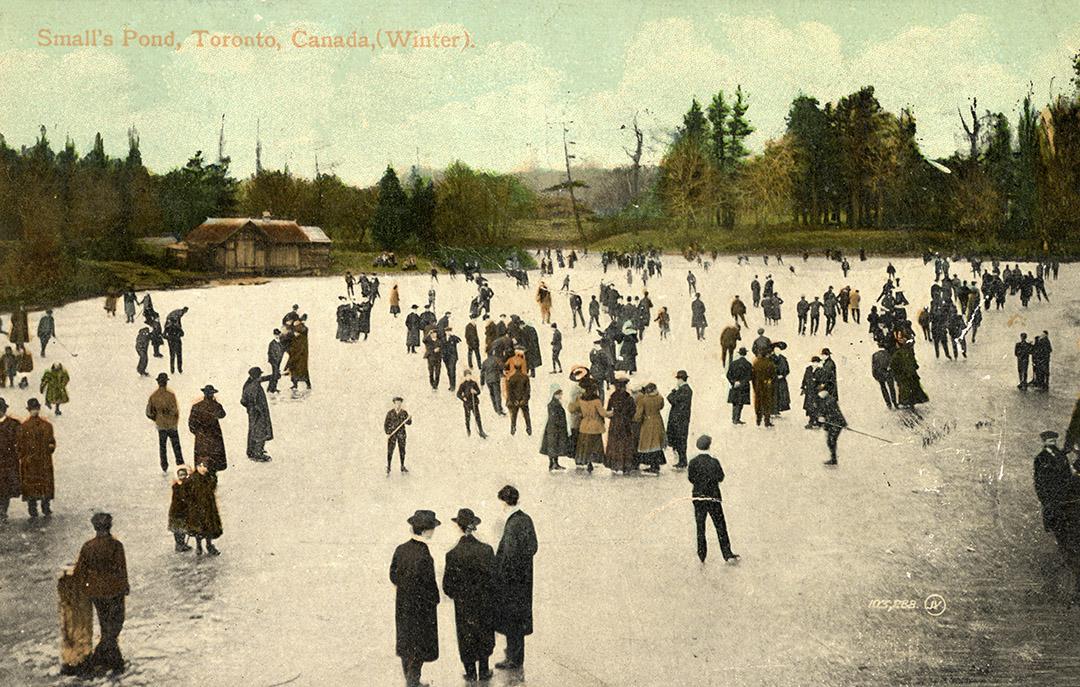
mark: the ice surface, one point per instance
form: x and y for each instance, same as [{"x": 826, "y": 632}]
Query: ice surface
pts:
[{"x": 301, "y": 588}]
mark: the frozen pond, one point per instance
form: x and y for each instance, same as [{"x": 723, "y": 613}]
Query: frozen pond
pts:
[{"x": 301, "y": 588}]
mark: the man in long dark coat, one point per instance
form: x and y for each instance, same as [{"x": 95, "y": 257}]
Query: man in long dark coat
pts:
[
  {"x": 412, "y": 331},
  {"x": 678, "y": 420},
  {"x": 783, "y": 393},
  {"x": 260, "y": 429},
  {"x": 808, "y": 389},
  {"x": 362, "y": 319},
  {"x": 467, "y": 580},
  {"x": 697, "y": 317},
  {"x": 9, "y": 459},
  {"x": 827, "y": 374},
  {"x": 531, "y": 341},
  {"x": 1058, "y": 489},
  {"x": 412, "y": 571},
  {"x": 35, "y": 445},
  {"x": 513, "y": 580},
  {"x": 204, "y": 423},
  {"x": 740, "y": 374},
  {"x": 763, "y": 379}
]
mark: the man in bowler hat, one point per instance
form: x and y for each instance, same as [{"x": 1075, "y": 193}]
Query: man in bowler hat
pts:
[
  {"x": 412, "y": 571},
  {"x": 467, "y": 580}
]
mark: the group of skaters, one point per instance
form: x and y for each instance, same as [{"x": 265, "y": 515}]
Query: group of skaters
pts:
[{"x": 605, "y": 420}]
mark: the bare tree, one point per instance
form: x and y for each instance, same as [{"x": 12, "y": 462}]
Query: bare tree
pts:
[
  {"x": 635, "y": 157},
  {"x": 570, "y": 181},
  {"x": 972, "y": 132}
]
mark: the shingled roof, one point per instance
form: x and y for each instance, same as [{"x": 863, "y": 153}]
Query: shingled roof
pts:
[{"x": 217, "y": 230}]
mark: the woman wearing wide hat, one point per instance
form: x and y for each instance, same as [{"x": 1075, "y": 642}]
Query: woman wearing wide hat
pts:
[{"x": 412, "y": 571}]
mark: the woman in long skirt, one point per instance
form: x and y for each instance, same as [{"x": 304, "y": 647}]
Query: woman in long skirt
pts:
[
  {"x": 590, "y": 440},
  {"x": 621, "y": 454}
]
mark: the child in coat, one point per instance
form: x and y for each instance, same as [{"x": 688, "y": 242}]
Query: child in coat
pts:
[
  {"x": 203, "y": 520},
  {"x": 178, "y": 509}
]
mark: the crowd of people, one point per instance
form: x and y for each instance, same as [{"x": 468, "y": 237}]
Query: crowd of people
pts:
[{"x": 608, "y": 415}]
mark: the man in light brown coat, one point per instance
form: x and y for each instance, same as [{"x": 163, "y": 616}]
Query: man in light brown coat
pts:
[
  {"x": 728, "y": 340},
  {"x": 163, "y": 409}
]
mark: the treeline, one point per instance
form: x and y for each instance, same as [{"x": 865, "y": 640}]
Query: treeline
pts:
[
  {"x": 59, "y": 207},
  {"x": 852, "y": 163}
]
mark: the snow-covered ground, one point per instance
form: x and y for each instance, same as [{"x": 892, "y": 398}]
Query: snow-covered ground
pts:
[{"x": 301, "y": 589}]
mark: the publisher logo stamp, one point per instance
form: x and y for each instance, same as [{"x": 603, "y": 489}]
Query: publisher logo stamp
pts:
[{"x": 934, "y": 605}]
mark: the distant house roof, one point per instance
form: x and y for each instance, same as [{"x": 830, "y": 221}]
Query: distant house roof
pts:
[
  {"x": 315, "y": 234},
  {"x": 157, "y": 241},
  {"x": 217, "y": 230}
]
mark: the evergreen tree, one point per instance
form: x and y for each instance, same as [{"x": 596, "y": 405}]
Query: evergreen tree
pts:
[
  {"x": 718, "y": 112},
  {"x": 695, "y": 127},
  {"x": 388, "y": 227},
  {"x": 738, "y": 128},
  {"x": 422, "y": 204}
]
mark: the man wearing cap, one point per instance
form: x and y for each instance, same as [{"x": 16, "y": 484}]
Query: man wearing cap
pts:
[
  {"x": 678, "y": 422},
  {"x": 204, "y": 422},
  {"x": 450, "y": 355},
  {"x": 882, "y": 373},
  {"x": 1058, "y": 489},
  {"x": 575, "y": 308},
  {"x": 101, "y": 574},
  {"x": 740, "y": 374},
  {"x": 729, "y": 339},
  {"x": 142, "y": 348},
  {"x": 518, "y": 392},
  {"x": 275, "y": 353},
  {"x": 513, "y": 580},
  {"x": 472, "y": 343},
  {"x": 260, "y": 428},
  {"x": 46, "y": 330},
  {"x": 556, "y": 349},
  {"x": 762, "y": 345},
  {"x": 394, "y": 426},
  {"x": 412, "y": 572},
  {"x": 706, "y": 474},
  {"x": 594, "y": 313},
  {"x": 697, "y": 317},
  {"x": 412, "y": 331},
  {"x": 738, "y": 310},
  {"x": 467, "y": 580},
  {"x": 828, "y": 373},
  {"x": 468, "y": 392},
  {"x": 491, "y": 374},
  {"x": 10, "y": 487},
  {"x": 174, "y": 334},
  {"x": 163, "y": 409},
  {"x": 829, "y": 416}
]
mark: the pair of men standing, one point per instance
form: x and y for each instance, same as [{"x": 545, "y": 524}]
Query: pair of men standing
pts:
[{"x": 492, "y": 592}]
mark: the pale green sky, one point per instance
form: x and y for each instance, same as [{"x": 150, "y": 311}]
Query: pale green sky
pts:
[{"x": 496, "y": 105}]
